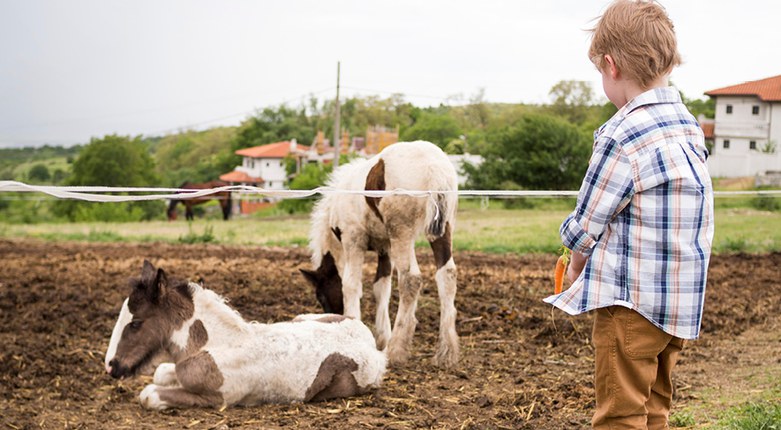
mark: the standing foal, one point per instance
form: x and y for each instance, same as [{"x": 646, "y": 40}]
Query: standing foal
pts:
[{"x": 345, "y": 226}]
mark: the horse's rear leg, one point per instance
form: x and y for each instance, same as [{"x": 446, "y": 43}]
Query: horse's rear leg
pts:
[
  {"x": 403, "y": 257},
  {"x": 382, "y": 294},
  {"x": 448, "y": 350}
]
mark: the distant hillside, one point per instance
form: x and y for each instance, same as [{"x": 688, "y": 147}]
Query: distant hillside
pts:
[{"x": 17, "y": 163}]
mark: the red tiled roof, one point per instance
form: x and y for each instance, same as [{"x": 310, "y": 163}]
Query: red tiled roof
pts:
[
  {"x": 768, "y": 89},
  {"x": 236, "y": 176},
  {"x": 272, "y": 150},
  {"x": 707, "y": 129}
]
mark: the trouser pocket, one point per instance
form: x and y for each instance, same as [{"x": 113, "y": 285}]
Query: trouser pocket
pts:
[{"x": 642, "y": 339}]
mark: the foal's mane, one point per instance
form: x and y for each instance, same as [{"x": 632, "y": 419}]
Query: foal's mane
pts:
[{"x": 215, "y": 306}]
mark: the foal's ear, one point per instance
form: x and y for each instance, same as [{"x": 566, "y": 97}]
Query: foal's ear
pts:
[
  {"x": 159, "y": 287},
  {"x": 148, "y": 272},
  {"x": 311, "y": 276}
]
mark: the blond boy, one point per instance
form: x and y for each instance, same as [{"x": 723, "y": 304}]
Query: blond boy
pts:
[{"x": 642, "y": 228}]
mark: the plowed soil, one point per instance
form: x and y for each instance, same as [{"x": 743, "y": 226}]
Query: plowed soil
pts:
[{"x": 523, "y": 364}]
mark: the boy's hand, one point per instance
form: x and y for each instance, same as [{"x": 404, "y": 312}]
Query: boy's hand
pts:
[{"x": 576, "y": 264}]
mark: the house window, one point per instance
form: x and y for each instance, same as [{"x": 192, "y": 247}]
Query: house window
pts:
[
  {"x": 754, "y": 110},
  {"x": 729, "y": 108},
  {"x": 726, "y": 144},
  {"x": 752, "y": 144}
]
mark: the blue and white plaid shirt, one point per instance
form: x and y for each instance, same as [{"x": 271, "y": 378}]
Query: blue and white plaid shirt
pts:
[{"x": 644, "y": 216}]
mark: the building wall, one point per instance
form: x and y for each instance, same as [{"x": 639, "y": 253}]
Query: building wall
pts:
[
  {"x": 272, "y": 170},
  {"x": 738, "y": 130}
]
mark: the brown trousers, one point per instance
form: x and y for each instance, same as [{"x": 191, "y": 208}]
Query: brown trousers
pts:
[{"x": 634, "y": 363}]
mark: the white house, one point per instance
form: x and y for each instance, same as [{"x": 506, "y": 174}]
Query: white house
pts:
[
  {"x": 264, "y": 166},
  {"x": 747, "y": 130}
]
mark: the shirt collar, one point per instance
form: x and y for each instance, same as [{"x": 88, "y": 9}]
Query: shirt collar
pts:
[{"x": 652, "y": 96}]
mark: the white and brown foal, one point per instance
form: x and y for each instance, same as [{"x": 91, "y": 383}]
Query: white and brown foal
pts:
[
  {"x": 221, "y": 359},
  {"x": 347, "y": 225}
]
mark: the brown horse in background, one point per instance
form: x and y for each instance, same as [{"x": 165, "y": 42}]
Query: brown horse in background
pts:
[{"x": 224, "y": 197}]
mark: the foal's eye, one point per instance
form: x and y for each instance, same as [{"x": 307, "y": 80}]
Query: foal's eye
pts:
[{"x": 135, "y": 324}]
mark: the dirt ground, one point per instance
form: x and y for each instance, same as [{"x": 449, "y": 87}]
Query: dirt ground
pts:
[{"x": 523, "y": 365}]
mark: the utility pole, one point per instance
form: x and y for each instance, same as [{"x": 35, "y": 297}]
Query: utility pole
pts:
[{"x": 337, "y": 131}]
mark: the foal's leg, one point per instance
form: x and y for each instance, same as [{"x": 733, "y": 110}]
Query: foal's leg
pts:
[
  {"x": 382, "y": 294},
  {"x": 165, "y": 375},
  {"x": 352, "y": 283},
  {"x": 447, "y": 352},
  {"x": 201, "y": 380},
  {"x": 158, "y": 397},
  {"x": 403, "y": 258}
]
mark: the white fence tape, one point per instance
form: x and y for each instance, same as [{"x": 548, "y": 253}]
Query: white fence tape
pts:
[{"x": 104, "y": 194}]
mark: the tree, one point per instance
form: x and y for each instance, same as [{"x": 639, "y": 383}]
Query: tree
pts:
[
  {"x": 435, "y": 126},
  {"x": 271, "y": 125},
  {"x": 311, "y": 177},
  {"x": 113, "y": 161},
  {"x": 195, "y": 156},
  {"x": 539, "y": 152},
  {"x": 39, "y": 173},
  {"x": 571, "y": 100}
]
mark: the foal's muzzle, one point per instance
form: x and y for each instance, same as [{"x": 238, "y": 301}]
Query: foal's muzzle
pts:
[{"x": 116, "y": 370}]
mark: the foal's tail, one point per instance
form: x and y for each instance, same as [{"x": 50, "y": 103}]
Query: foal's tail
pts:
[{"x": 439, "y": 214}]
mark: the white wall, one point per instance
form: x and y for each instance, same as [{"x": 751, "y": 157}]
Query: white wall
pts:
[
  {"x": 272, "y": 170},
  {"x": 740, "y": 128}
]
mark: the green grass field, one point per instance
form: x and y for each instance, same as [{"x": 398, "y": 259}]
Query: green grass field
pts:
[{"x": 480, "y": 227}]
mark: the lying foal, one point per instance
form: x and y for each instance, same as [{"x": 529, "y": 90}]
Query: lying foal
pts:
[{"x": 221, "y": 359}]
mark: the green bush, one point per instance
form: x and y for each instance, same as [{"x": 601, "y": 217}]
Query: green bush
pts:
[
  {"x": 767, "y": 203},
  {"x": 311, "y": 177},
  {"x": 192, "y": 237},
  {"x": 105, "y": 212}
]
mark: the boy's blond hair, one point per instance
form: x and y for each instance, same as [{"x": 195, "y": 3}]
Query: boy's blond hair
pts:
[{"x": 639, "y": 36}]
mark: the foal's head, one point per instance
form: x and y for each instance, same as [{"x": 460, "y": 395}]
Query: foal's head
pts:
[
  {"x": 328, "y": 285},
  {"x": 153, "y": 311}
]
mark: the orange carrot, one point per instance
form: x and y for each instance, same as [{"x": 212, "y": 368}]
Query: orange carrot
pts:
[{"x": 561, "y": 268}]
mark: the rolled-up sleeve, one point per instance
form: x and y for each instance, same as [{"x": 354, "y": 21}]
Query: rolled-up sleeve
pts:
[{"x": 606, "y": 190}]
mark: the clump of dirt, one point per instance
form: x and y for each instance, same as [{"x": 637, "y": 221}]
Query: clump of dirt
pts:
[{"x": 523, "y": 364}]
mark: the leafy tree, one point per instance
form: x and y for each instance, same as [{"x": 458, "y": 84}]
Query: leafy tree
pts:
[
  {"x": 59, "y": 175},
  {"x": 539, "y": 152},
  {"x": 571, "y": 99},
  {"x": 271, "y": 125},
  {"x": 113, "y": 161},
  {"x": 699, "y": 107},
  {"x": 195, "y": 156},
  {"x": 311, "y": 176},
  {"x": 435, "y": 126},
  {"x": 359, "y": 113},
  {"x": 39, "y": 173}
]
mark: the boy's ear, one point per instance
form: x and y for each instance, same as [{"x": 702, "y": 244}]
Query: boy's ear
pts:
[{"x": 611, "y": 65}]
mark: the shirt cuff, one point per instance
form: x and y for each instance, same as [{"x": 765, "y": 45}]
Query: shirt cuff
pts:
[{"x": 575, "y": 237}]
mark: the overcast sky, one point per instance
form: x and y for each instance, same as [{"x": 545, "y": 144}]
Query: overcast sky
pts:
[{"x": 76, "y": 69}]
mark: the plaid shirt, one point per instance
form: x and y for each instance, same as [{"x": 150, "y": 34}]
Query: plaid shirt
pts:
[{"x": 644, "y": 216}]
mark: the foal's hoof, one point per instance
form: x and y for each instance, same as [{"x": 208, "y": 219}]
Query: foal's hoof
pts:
[
  {"x": 150, "y": 398},
  {"x": 446, "y": 357},
  {"x": 397, "y": 356}
]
